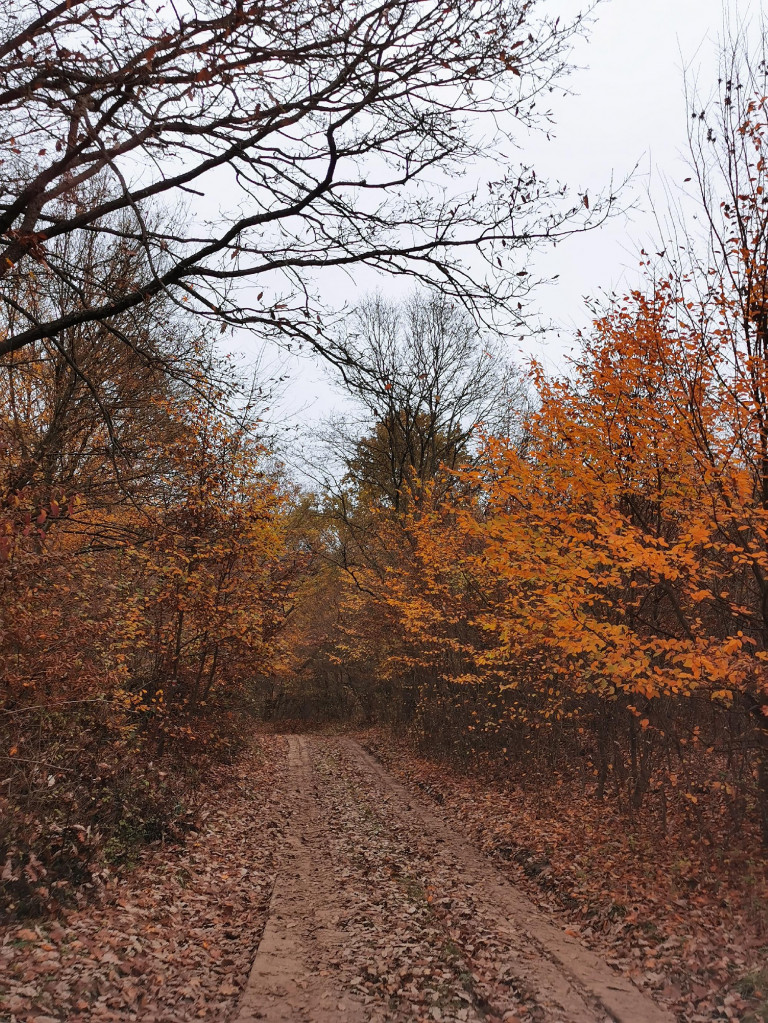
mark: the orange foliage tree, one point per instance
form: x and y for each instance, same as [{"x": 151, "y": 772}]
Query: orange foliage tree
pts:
[
  {"x": 208, "y": 590},
  {"x": 597, "y": 589},
  {"x": 619, "y": 560},
  {"x": 145, "y": 578}
]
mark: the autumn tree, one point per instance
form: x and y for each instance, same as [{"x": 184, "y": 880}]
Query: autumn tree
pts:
[
  {"x": 144, "y": 584},
  {"x": 419, "y": 377},
  {"x": 84, "y": 420},
  {"x": 593, "y": 599},
  {"x": 619, "y": 561},
  {"x": 207, "y": 589},
  {"x": 81, "y": 406}
]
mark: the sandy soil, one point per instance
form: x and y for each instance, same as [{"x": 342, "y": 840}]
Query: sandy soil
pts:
[{"x": 381, "y": 912}]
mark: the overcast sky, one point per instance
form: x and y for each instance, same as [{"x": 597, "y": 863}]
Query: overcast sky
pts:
[{"x": 626, "y": 109}]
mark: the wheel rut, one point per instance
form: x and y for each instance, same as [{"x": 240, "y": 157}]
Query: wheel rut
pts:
[
  {"x": 381, "y": 912},
  {"x": 289, "y": 979}
]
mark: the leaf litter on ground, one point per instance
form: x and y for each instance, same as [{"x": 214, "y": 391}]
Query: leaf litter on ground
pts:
[
  {"x": 686, "y": 919},
  {"x": 172, "y": 939}
]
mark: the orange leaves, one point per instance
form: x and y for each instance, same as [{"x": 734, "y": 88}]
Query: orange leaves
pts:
[
  {"x": 206, "y": 599},
  {"x": 160, "y": 603},
  {"x": 618, "y": 555}
]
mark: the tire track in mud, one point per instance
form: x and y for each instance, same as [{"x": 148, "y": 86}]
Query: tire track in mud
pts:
[
  {"x": 382, "y": 913},
  {"x": 288, "y": 980}
]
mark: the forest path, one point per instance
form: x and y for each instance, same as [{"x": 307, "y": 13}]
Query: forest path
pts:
[{"x": 380, "y": 912}]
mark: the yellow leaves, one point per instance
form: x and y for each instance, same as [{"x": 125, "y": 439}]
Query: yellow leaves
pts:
[
  {"x": 724, "y": 695},
  {"x": 732, "y": 646}
]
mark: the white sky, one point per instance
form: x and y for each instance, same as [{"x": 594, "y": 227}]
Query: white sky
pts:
[{"x": 626, "y": 109}]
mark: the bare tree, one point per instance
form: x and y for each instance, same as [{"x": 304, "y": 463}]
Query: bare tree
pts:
[
  {"x": 422, "y": 380},
  {"x": 302, "y": 137}
]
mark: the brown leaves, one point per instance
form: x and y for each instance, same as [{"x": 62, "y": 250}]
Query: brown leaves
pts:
[
  {"x": 392, "y": 948},
  {"x": 675, "y": 916},
  {"x": 161, "y": 942}
]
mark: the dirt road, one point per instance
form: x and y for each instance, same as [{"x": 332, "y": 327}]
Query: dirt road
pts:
[{"x": 381, "y": 912}]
